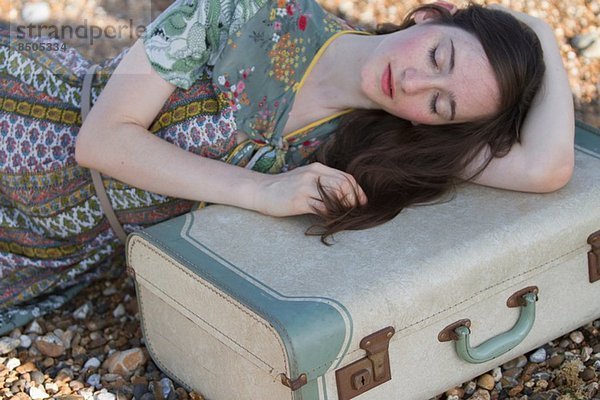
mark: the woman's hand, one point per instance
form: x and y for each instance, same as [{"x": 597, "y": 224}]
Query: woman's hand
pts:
[{"x": 295, "y": 192}]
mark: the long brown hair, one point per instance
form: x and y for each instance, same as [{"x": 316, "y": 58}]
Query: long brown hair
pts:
[{"x": 399, "y": 164}]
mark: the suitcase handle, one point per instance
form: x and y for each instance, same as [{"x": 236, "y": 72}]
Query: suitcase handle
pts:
[{"x": 498, "y": 345}]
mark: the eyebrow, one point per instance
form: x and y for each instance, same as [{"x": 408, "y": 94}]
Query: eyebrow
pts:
[
  {"x": 451, "y": 55},
  {"x": 452, "y": 96}
]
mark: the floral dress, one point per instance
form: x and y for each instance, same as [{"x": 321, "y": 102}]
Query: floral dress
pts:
[{"x": 237, "y": 65}]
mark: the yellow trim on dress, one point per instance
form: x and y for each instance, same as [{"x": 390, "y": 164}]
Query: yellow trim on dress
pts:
[
  {"x": 300, "y": 84},
  {"x": 308, "y": 71}
]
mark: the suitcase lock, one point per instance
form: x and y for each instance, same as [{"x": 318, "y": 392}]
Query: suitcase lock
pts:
[{"x": 370, "y": 371}]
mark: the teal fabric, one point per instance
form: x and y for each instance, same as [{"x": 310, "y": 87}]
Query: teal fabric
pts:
[{"x": 257, "y": 57}]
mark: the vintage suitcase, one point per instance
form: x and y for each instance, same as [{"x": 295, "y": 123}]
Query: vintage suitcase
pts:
[{"x": 238, "y": 305}]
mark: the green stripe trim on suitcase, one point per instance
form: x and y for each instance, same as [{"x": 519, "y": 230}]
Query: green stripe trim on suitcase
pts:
[{"x": 296, "y": 319}]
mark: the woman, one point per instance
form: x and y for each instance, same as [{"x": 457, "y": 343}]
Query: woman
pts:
[{"x": 263, "y": 86}]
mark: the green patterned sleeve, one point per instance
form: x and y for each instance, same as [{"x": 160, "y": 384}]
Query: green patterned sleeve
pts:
[{"x": 190, "y": 34}]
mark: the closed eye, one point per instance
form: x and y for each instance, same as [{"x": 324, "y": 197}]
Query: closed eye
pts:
[
  {"x": 432, "y": 56},
  {"x": 433, "y": 103}
]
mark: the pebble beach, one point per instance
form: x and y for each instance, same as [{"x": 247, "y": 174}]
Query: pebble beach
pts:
[{"x": 93, "y": 349}]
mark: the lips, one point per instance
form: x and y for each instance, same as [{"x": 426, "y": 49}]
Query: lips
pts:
[{"x": 386, "y": 82}]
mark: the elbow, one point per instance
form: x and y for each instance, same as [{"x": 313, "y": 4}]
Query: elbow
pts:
[
  {"x": 82, "y": 149},
  {"x": 91, "y": 148},
  {"x": 553, "y": 179}
]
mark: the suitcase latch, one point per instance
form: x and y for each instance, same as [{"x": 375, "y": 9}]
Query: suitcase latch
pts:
[
  {"x": 594, "y": 256},
  {"x": 368, "y": 372}
]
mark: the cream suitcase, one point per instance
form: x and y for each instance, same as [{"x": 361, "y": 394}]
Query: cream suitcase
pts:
[{"x": 238, "y": 305}]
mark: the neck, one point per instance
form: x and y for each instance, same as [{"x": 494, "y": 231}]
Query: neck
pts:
[{"x": 337, "y": 75}]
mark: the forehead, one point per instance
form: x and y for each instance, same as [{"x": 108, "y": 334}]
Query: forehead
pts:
[{"x": 472, "y": 81}]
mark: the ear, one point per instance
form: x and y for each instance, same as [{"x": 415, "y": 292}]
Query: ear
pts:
[{"x": 431, "y": 14}]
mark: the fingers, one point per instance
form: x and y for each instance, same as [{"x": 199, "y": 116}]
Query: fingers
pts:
[{"x": 342, "y": 184}]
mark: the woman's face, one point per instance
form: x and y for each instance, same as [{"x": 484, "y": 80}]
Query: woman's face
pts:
[{"x": 431, "y": 74}]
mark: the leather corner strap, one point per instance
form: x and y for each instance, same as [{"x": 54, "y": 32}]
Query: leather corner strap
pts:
[{"x": 86, "y": 100}]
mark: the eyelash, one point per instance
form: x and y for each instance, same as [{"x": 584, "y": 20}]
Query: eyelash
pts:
[
  {"x": 432, "y": 56},
  {"x": 432, "y": 104}
]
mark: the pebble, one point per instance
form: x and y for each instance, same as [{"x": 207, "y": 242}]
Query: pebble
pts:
[
  {"x": 167, "y": 387},
  {"x": 586, "y": 353},
  {"x": 538, "y": 356},
  {"x": 76, "y": 385},
  {"x": 513, "y": 372},
  {"x": 65, "y": 375},
  {"x": 92, "y": 363},
  {"x": 508, "y": 382},
  {"x": 576, "y": 337},
  {"x": 36, "y": 13},
  {"x": 37, "y": 377},
  {"x": 456, "y": 392},
  {"x": 109, "y": 291},
  {"x": 67, "y": 338},
  {"x": 94, "y": 380},
  {"x": 34, "y": 327},
  {"x": 38, "y": 393},
  {"x": 139, "y": 390},
  {"x": 25, "y": 341},
  {"x": 8, "y": 344},
  {"x": 486, "y": 381},
  {"x": 541, "y": 376},
  {"x": 125, "y": 362},
  {"x": 111, "y": 377},
  {"x": 119, "y": 311},
  {"x": 588, "y": 44},
  {"x": 83, "y": 312},
  {"x": 556, "y": 360},
  {"x": 27, "y": 367},
  {"x": 515, "y": 390},
  {"x": 587, "y": 374},
  {"x": 21, "y": 396},
  {"x": 480, "y": 395},
  {"x": 564, "y": 343},
  {"x": 51, "y": 387},
  {"x": 518, "y": 362},
  {"x": 497, "y": 373},
  {"x": 50, "y": 345},
  {"x": 105, "y": 396},
  {"x": 12, "y": 363}
]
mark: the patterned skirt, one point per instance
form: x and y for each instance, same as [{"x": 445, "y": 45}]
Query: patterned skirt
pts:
[{"x": 54, "y": 237}]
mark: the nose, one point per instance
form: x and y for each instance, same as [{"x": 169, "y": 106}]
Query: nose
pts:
[{"x": 413, "y": 81}]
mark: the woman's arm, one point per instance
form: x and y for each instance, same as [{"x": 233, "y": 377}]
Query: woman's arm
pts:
[
  {"x": 115, "y": 140},
  {"x": 544, "y": 160}
]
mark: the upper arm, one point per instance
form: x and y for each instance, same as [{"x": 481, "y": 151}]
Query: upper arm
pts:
[
  {"x": 519, "y": 171},
  {"x": 134, "y": 94}
]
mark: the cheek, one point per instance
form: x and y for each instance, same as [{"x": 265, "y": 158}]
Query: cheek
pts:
[{"x": 414, "y": 110}]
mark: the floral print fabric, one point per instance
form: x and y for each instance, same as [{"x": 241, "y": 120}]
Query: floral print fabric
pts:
[
  {"x": 54, "y": 237},
  {"x": 238, "y": 65},
  {"x": 258, "y": 69}
]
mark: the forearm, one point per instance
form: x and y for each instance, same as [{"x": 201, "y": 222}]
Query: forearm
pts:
[
  {"x": 147, "y": 162},
  {"x": 548, "y": 131}
]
